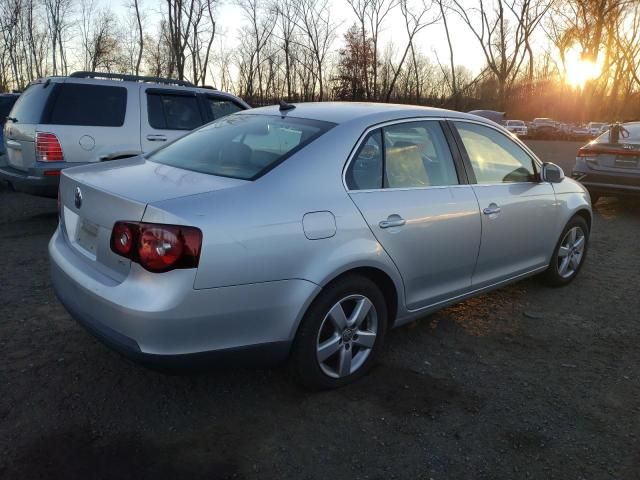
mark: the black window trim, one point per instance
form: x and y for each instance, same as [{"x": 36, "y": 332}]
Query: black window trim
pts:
[
  {"x": 455, "y": 154},
  {"x": 535, "y": 161}
]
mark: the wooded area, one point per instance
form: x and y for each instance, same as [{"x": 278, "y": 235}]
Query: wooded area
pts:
[{"x": 291, "y": 49}]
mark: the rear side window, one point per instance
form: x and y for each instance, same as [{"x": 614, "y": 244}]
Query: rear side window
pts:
[
  {"x": 241, "y": 146},
  {"x": 30, "y": 105},
  {"x": 88, "y": 105},
  {"x": 411, "y": 155},
  {"x": 218, "y": 107},
  {"x": 173, "y": 112}
]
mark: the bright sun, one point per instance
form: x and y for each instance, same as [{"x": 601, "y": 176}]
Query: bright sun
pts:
[{"x": 579, "y": 71}]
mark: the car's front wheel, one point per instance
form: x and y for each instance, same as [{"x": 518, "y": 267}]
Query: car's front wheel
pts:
[
  {"x": 570, "y": 253},
  {"x": 341, "y": 334}
]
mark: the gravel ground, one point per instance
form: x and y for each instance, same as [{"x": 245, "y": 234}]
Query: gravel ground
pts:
[{"x": 525, "y": 382}]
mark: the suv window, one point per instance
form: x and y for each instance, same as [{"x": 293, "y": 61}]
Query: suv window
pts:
[
  {"x": 173, "y": 112},
  {"x": 30, "y": 105},
  {"x": 494, "y": 157},
  {"x": 241, "y": 146},
  {"x": 6, "y": 102},
  {"x": 89, "y": 105},
  {"x": 219, "y": 107}
]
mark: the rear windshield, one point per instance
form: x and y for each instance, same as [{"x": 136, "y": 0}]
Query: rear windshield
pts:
[
  {"x": 515, "y": 123},
  {"x": 30, "y": 104},
  {"x": 633, "y": 135},
  {"x": 5, "y": 106},
  {"x": 241, "y": 146}
]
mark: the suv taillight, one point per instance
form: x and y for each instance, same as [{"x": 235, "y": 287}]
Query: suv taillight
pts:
[
  {"x": 157, "y": 248},
  {"x": 48, "y": 148}
]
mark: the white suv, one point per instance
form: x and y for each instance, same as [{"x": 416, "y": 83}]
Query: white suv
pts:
[{"x": 88, "y": 117}]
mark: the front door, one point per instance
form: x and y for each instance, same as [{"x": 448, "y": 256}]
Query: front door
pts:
[
  {"x": 518, "y": 210},
  {"x": 404, "y": 181}
]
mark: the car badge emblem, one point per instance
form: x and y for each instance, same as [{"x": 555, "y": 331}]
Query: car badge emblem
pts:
[{"x": 77, "y": 197}]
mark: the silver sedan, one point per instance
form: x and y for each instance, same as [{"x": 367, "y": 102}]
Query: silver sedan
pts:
[{"x": 305, "y": 232}]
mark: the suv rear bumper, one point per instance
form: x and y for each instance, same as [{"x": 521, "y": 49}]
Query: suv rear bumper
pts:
[{"x": 35, "y": 180}]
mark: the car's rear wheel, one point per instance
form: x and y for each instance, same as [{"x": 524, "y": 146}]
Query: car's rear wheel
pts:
[
  {"x": 341, "y": 334},
  {"x": 570, "y": 253}
]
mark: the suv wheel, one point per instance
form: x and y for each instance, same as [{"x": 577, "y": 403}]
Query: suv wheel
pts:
[{"x": 341, "y": 334}]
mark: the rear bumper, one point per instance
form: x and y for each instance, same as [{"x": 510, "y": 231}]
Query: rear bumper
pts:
[
  {"x": 160, "y": 319},
  {"x": 623, "y": 183},
  {"x": 35, "y": 180}
]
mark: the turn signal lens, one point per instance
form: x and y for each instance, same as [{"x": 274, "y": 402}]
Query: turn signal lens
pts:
[{"x": 157, "y": 248}]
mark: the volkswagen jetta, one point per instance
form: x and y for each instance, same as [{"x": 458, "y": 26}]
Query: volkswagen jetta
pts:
[{"x": 306, "y": 232}]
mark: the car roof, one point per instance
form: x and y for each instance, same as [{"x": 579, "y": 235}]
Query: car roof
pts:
[{"x": 342, "y": 112}]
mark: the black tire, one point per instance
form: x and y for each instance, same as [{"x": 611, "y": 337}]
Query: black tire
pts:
[
  {"x": 552, "y": 276},
  {"x": 304, "y": 363}
]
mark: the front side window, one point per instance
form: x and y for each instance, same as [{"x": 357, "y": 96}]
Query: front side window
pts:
[
  {"x": 218, "y": 107},
  {"x": 494, "y": 157},
  {"x": 241, "y": 146},
  {"x": 173, "y": 112},
  {"x": 88, "y": 105}
]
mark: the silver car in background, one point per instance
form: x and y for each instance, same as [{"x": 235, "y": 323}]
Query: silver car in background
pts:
[{"x": 306, "y": 232}]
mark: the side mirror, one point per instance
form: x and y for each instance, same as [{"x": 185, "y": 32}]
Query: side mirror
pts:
[{"x": 552, "y": 173}]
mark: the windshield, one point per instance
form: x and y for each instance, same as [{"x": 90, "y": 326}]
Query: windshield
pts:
[
  {"x": 597, "y": 125},
  {"x": 241, "y": 146},
  {"x": 633, "y": 130},
  {"x": 515, "y": 123}
]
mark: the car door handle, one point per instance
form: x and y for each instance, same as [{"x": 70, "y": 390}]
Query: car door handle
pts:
[
  {"x": 156, "y": 138},
  {"x": 492, "y": 209},
  {"x": 392, "y": 221}
]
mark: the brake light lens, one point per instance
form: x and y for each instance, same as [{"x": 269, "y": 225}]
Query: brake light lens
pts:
[
  {"x": 585, "y": 152},
  {"x": 157, "y": 248},
  {"x": 48, "y": 148}
]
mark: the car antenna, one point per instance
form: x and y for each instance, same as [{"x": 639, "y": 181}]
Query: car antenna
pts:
[{"x": 284, "y": 106}]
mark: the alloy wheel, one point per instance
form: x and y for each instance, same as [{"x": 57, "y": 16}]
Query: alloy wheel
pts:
[
  {"x": 571, "y": 252},
  {"x": 347, "y": 336}
]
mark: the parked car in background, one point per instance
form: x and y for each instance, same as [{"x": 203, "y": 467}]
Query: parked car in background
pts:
[
  {"x": 543, "y": 128},
  {"x": 516, "y": 127},
  {"x": 580, "y": 132},
  {"x": 611, "y": 168},
  {"x": 305, "y": 232},
  {"x": 494, "y": 116},
  {"x": 7, "y": 100},
  {"x": 604, "y": 128},
  {"x": 595, "y": 128},
  {"x": 91, "y": 117}
]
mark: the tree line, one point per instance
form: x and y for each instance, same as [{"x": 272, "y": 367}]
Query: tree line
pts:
[{"x": 291, "y": 49}]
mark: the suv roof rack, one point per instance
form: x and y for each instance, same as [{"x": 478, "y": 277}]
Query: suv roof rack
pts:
[{"x": 131, "y": 78}]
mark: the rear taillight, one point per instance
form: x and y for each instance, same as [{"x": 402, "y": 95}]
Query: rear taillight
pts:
[
  {"x": 48, "y": 148},
  {"x": 157, "y": 248}
]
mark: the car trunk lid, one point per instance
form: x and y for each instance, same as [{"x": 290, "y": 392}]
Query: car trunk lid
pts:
[
  {"x": 94, "y": 197},
  {"x": 612, "y": 157}
]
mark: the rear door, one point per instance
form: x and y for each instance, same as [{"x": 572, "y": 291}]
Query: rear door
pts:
[
  {"x": 92, "y": 120},
  {"x": 413, "y": 194},
  {"x": 518, "y": 210},
  {"x": 168, "y": 114},
  {"x": 20, "y": 127}
]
